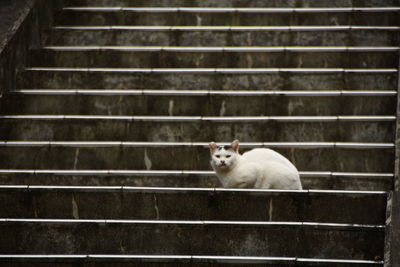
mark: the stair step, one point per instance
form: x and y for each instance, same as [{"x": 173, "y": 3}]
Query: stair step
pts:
[
  {"x": 175, "y": 237},
  {"x": 194, "y": 129},
  {"x": 210, "y": 78},
  {"x": 381, "y": 16},
  {"x": 233, "y": 10},
  {"x": 81, "y": 202},
  {"x": 182, "y": 178},
  {"x": 204, "y": 103},
  {"x": 206, "y": 57},
  {"x": 130, "y": 155},
  {"x": 178, "y": 260},
  {"x": 233, "y": 3},
  {"x": 225, "y": 36}
]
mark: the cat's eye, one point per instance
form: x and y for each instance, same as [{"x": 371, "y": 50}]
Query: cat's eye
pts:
[
  {"x": 217, "y": 156},
  {"x": 228, "y": 156}
]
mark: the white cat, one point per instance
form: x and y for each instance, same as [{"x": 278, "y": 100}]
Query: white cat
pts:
[{"x": 257, "y": 168}]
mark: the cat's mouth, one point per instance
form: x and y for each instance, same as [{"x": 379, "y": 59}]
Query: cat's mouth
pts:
[{"x": 222, "y": 165}]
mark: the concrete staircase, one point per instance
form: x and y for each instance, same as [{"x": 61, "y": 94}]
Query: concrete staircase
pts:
[{"x": 104, "y": 144}]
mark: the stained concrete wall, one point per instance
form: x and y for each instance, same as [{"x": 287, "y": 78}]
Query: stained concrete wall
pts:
[{"x": 22, "y": 23}]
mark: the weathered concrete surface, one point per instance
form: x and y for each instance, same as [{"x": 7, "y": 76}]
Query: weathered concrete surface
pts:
[
  {"x": 21, "y": 28},
  {"x": 13, "y": 13},
  {"x": 193, "y": 204},
  {"x": 171, "y": 180},
  {"x": 235, "y": 3},
  {"x": 130, "y": 59},
  {"x": 192, "y": 238},
  {"x": 195, "y": 37},
  {"x": 78, "y": 18},
  {"x": 176, "y": 79},
  {"x": 196, "y": 130},
  {"x": 200, "y": 180},
  {"x": 392, "y": 241},
  {"x": 186, "y": 158},
  {"x": 201, "y": 105}
]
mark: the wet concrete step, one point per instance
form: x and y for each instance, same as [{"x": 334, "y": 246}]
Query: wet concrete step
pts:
[
  {"x": 203, "y": 103},
  {"x": 232, "y": 3},
  {"x": 134, "y": 203},
  {"x": 197, "y": 129},
  {"x": 346, "y": 157},
  {"x": 225, "y": 36},
  {"x": 210, "y": 79},
  {"x": 176, "y": 261},
  {"x": 96, "y": 16},
  {"x": 180, "y": 178},
  {"x": 176, "y": 238},
  {"x": 215, "y": 57}
]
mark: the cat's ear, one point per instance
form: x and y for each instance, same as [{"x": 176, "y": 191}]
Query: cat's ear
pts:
[
  {"x": 213, "y": 146},
  {"x": 235, "y": 146}
]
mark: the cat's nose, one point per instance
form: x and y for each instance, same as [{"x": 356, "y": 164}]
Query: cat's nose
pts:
[{"x": 223, "y": 161}]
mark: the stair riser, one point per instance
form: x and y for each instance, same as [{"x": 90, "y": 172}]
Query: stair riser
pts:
[
  {"x": 74, "y": 204},
  {"x": 167, "y": 180},
  {"x": 198, "y": 131},
  {"x": 196, "y": 158},
  {"x": 161, "y": 239},
  {"x": 199, "y": 105},
  {"x": 230, "y": 3},
  {"x": 224, "y": 38},
  {"x": 188, "y": 81},
  {"x": 79, "y": 18},
  {"x": 200, "y": 181},
  {"x": 121, "y": 59}
]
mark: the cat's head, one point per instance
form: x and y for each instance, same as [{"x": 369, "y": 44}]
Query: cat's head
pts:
[{"x": 223, "y": 158}]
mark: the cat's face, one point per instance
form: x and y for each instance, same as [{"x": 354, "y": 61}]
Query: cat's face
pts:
[{"x": 223, "y": 158}]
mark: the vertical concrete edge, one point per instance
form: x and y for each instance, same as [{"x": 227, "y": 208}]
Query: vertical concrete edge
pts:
[{"x": 392, "y": 232}]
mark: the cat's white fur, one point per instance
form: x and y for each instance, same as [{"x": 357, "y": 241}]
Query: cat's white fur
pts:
[{"x": 257, "y": 168}]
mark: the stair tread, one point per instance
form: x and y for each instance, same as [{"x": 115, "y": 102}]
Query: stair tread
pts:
[
  {"x": 181, "y": 260},
  {"x": 200, "y": 118},
  {"x": 224, "y": 48},
  {"x": 235, "y": 3},
  {"x": 177, "y": 172},
  {"x": 232, "y": 28},
  {"x": 202, "y": 92},
  {"x": 327, "y": 226},
  {"x": 233, "y": 9},
  {"x": 180, "y": 257},
  {"x": 196, "y": 144},
  {"x": 219, "y": 70}
]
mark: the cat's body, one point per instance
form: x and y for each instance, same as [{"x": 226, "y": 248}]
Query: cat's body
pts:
[{"x": 257, "y": 168}]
